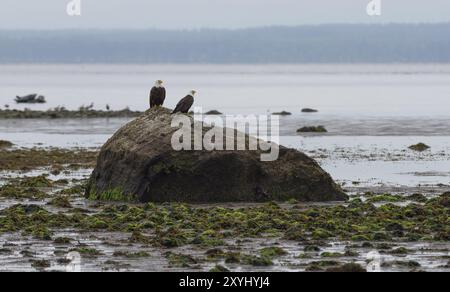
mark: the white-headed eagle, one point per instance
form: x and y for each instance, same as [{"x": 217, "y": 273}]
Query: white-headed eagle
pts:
[
  {"x": 185, "y": 104},
  {"x": 157, "y": 94}
]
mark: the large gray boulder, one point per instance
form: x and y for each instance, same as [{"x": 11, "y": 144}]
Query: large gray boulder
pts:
[{"x": 139, "y": 162}]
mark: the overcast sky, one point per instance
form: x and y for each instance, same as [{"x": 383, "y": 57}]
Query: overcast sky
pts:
[{"x": 188, "y": 14}]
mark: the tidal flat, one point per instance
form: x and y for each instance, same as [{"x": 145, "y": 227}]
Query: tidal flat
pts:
[
  {"x": 45, "y": 219},
  {"x": 393, "y": 222}
]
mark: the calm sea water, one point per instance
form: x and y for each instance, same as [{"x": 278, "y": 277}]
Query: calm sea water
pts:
[{"x": 343, "y": 90}]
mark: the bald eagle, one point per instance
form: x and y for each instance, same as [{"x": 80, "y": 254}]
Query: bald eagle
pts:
[
  {"x": 157, "y": 94},
  {"x": 185, "y": 104}
]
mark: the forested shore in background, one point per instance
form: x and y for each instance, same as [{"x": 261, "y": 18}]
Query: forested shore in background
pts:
[{"x": 394, "y": 43}]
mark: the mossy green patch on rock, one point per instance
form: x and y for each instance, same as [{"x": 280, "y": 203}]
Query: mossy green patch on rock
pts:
[{"x": 113, "y": 195}]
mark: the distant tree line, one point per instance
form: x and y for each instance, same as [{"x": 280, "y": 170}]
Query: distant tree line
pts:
[{"x": 305, "y": 44}]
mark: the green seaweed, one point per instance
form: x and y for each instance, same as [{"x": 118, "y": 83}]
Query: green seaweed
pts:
[
  {"x": 112, "y": 195},
  {"x": 272, "y": 252},
  {"x": 61, "y": 202},
  {"x": 180, "y": 260},
  {"x": 40, "y": 264}
]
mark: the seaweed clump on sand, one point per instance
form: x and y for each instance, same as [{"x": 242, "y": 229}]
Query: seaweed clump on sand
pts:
[
  {"x": 29, "y": 159},
  {"x": 421, "y": 147},
  {"x": 26, "y": 188},
  {"x": 41, "y": 187},
  {"x": 313, "y": 129},
  {"x": 61, "y": 202},
  {"x": 40, "y": 264}
]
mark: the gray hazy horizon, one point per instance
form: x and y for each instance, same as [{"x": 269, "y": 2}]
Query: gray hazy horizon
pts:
[
  {"x": 194, "y": 14},
  {"x": 399, "y": 43}
]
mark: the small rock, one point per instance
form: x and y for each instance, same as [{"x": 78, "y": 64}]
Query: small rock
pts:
[
  {"x": 283, "y": 113},
  {"x": 309, "y": 110},
  {"x": 419, "y": 147},
  {"x": 5, "y": 144},
  {"x": 142, "y": 165},
  {"x": 213, "y": 113},
  {"x": 318, "y": 129},
  {"x": 219, "y": 269},
  {"x": 348, "y": 268},
  {"x": 31, "y": 98}
]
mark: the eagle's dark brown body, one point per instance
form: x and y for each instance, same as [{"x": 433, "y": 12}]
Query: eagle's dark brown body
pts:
[
  {"x": 184, "y": 105},
  {"x": 157, "y": 96}
]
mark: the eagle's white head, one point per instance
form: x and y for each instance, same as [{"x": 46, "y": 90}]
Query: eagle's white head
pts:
[
  {"x": 192, "y": 92},
  {"x": 159, "y": 83}
]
